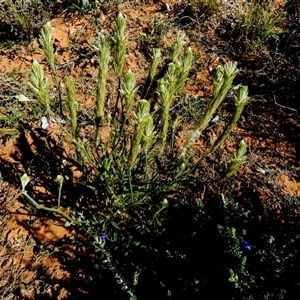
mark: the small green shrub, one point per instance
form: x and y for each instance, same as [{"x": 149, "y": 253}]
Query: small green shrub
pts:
[
  {"x": 208, "y": 7},
  {"x": 253, "y": 258},
  {"x": 19, "y": 17},
  {"x": 258, "y": 21},
  {"x": 135, "y": 172}
]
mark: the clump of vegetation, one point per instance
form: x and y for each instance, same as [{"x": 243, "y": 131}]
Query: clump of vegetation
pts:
[
  {"x": 136, "y": 171},
  {"x": 208, "y": 7},
  {"x": 258, "y": 21},
  {"x": 19, "y": 18}
]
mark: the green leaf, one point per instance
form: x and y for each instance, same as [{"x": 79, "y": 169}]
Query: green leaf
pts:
[{"x": 115, "y": 225}]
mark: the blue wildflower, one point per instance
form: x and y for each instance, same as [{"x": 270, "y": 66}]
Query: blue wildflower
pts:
[
  {"x": 103, "y": 237},
  {"x": 247, "y": 246}
]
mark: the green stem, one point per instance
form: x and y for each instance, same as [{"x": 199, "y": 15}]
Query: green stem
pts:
[
  {"x": 147, "y": 168},
  {"x": 224, "y": 135},
  {"x": 59, "y": 195},
  {"x": 57, "y": 84},
  {"x": 118, "y": 97},
  {"x": 130, "y": 185},
  {"x": 221, "y": 84},
  {"x": 54, "y": 210},
  {"x": 78, "y": 145}
]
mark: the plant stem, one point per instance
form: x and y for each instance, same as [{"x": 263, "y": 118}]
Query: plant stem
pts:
[
  {"x": 130, "y": 185},
  {"x": 59, "y": 195},
  {"x": 54, "y": 210}
]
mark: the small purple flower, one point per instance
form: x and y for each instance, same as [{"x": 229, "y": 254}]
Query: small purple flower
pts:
[
  {"x": 222, "y": 203},
  {"x": 247, "y": 246},
  {"x": 103, "y": 237}
]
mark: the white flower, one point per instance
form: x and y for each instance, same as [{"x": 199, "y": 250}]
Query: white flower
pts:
[{"x": 47, "y": 122}]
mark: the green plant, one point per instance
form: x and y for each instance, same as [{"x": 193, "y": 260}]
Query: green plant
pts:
[
  {"x": 19, "y": 17},
  {"x": 154, "y": 33},
  {"x": 208, "y": 7},
  {"x": 135, "y": 170},
  {"x": 258, "y": 21},
  {"x": 190, "y": 107},
  {"x": 255, "y": 259},
  {"x": 222, "y": 83},
  {"x": 9, "y": 118},
  {"x": 84, "y": 6}
]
